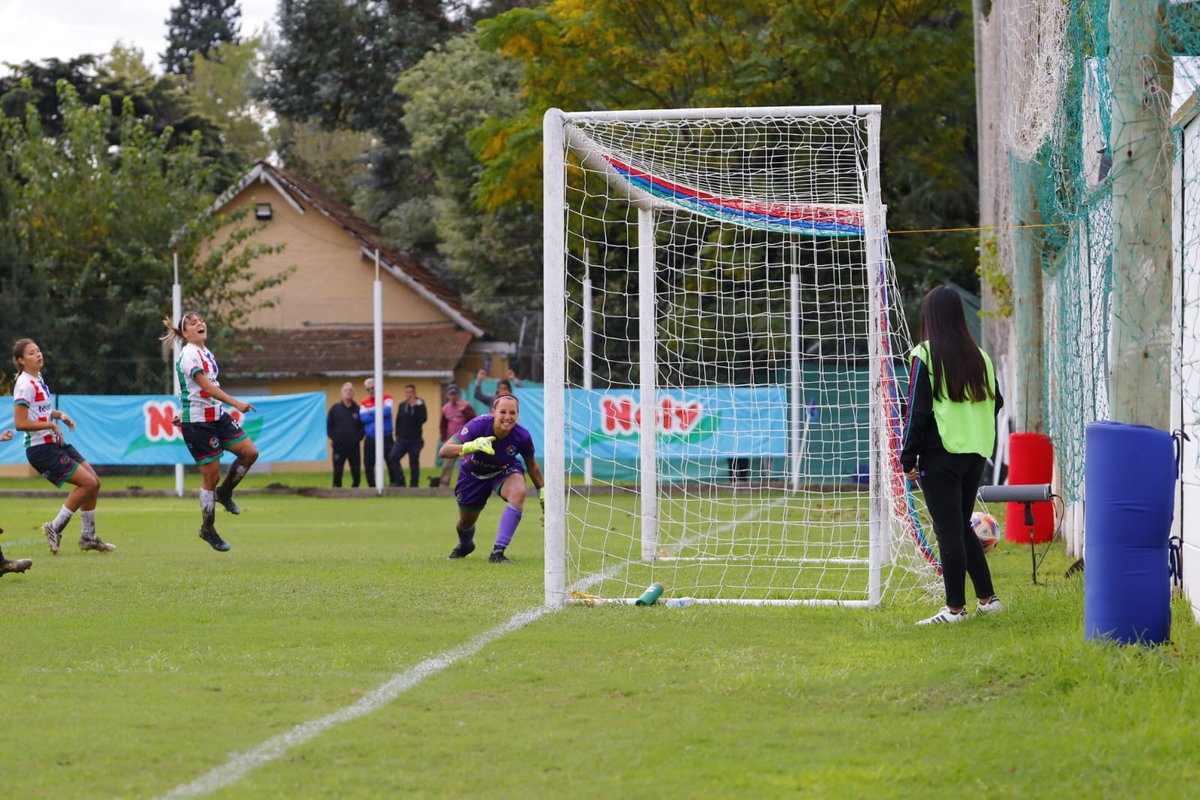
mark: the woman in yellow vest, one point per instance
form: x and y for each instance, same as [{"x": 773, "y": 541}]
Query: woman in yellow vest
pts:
[{"x": 950, "y": 433}]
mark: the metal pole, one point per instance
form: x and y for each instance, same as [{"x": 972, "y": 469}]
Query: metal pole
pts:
[
  {"x": 378, "y": 310},
  {"x": 176, "y": 313}
]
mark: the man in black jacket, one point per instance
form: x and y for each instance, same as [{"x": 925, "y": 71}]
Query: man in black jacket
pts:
[
  {"x": 345, "y": 431},
  {"x": 410, "y": 420}
]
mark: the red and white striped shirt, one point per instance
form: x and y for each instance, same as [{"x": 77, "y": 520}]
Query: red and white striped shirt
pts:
[
  {"x": 35, "y": 395},
  {"x": 197, "y": 405}
]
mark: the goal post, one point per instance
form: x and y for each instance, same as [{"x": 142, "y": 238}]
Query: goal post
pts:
[{"x": 722, "y": 336}]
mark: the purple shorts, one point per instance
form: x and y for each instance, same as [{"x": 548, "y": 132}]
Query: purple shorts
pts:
[{"x": 473, "y": 493}]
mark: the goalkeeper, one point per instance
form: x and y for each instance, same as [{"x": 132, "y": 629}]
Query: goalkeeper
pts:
[{"x": 490, "y": 445}]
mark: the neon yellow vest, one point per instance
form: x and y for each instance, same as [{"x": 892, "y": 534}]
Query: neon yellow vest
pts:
[{"x": 967, "y": 427}]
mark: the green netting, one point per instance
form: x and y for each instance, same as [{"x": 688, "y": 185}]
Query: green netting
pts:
[{"x": 1075, "y": 107}]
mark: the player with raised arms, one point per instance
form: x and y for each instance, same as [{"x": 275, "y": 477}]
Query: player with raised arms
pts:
[
  {"x": 49, "y": 453},
  {"x": 493, "y": 447},
  {"x": 208, "y": 429}
]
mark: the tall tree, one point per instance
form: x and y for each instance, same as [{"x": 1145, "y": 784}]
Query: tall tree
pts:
[
  {"x": 88, "y": 221},
  {"x": 336, "y": 62},
  {"x": 494, "y": 256},
  {"x": 196, "y": 26},
  {"x": 159, "y": 102},
  {"x": 914, "y": 57},
  {"x": 220, "y": 89}
]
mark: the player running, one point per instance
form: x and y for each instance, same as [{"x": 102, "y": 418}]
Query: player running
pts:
[{"x": 490, "y": 445}]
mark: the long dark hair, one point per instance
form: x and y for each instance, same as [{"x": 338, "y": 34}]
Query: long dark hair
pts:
[{"x": 956, "y": 362}]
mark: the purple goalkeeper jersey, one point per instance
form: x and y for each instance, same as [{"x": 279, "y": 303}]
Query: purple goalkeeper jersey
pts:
[{"x": 481, "y": 465}]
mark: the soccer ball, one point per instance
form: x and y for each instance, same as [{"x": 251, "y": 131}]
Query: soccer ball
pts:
[{"x": 987, "y": 529}]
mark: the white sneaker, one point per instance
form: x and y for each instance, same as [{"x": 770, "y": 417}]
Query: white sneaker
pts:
[
  {"x": 992, "y": 606},
  {"x": 945, "y": 615}
]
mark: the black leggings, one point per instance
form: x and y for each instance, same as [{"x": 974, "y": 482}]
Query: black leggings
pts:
[{"x": 950, "y": 482}]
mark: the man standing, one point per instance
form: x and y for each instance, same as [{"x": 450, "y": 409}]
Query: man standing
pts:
[
  {"x": 345, "y": 431},
  {"x": 456, "y": 413},
  {"x": 367, "y": 413},
  {"x": 410, "y": 420}
]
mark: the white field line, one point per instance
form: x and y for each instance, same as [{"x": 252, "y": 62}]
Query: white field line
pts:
[{"x": 240, "y": 764}]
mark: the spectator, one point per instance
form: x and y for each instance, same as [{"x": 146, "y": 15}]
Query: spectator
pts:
[
  {"x": 410, "y": 421},
  {"x": 503, "y": 386},
  {"x": 367, "y": 413},
  {"x": 344, "y": 428},
  {"x": 456, "y": 413}
]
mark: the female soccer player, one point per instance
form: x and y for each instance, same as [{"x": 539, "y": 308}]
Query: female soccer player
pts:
[
  {"x": 951, "y": 431},
  {"x": 207, "y": 427},
  {"x": 490, "y": 445},
  {"x": 57, "y": 461}
]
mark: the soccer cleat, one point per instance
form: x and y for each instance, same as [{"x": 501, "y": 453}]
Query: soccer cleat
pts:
[
  {"x": 992, "y": 606},
  {"x": 227, "y": 501},
  {"x": 97, "y": 544},
  {"x": 52, "y": 537},
  {"x": 498, "y": 557},
  {"x": 15, "y": 565},
  {"x": 945, "y": 616},
  {"x": 214, "y": 539},
  {"x": 463, "y": 550}
]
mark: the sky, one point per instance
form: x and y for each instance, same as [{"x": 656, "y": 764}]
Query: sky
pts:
[{"x": 34, "y": 30}]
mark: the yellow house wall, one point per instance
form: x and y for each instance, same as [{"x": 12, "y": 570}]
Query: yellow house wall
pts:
[{"x": 332, "y": 284}]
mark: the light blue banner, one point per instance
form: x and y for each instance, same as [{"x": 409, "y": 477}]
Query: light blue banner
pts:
[
  {"x": 137, "y": 429},
  {"x": 695, "y": 424}
]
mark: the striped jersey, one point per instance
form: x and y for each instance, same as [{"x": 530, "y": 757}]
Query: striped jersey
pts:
[
  {"x": 197, "y": 405},
  {"x": 33, "y": 393}
]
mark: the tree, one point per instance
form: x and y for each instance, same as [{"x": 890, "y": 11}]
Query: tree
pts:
[
  {"x": 914, "y": 57},
  {"x": 88, "y": 220},
  {"x": 220, "y": 89},
  {"x": 494, "y": 255},
  {"x": 159, "y": 103},
  {"x": 336, "y": 63},
  {"x": 196, "y": 26}
]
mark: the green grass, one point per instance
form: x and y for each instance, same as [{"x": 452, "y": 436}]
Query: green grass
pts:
[{"x": 129, "y": 674}]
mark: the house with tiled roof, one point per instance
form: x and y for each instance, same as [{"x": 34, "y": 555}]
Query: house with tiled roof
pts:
[{"x": 318, "y": 333}]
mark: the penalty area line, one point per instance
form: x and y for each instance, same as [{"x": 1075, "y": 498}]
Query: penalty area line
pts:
[{"x": 238, "y": 765}]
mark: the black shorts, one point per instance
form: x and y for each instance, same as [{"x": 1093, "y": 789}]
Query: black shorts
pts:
[
  {"x": 207, "y": 440},
  {"x": 54, "y": 462}
]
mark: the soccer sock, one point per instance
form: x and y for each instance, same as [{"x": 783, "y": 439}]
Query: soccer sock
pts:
[
  {"x": 208, "y": 508},
  {"x": 465, "y": 537},
  {"x": 64, "y": 516},
  {"x": 88, "y": 519},
  {"x": 509, "y": 520},
  {"x": 232, "y": 479}
]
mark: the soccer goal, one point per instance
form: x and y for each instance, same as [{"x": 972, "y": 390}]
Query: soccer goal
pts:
[{"x": 722, "y": 340}]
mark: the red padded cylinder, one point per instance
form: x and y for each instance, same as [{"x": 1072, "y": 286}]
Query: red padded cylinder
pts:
[{"x": 1030, "y": 460}]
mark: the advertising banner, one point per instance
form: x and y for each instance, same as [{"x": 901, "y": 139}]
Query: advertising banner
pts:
[{"x": 137, "y": 429}]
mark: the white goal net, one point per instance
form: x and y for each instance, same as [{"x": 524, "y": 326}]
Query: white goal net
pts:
[{"x": 722, "y": 347}]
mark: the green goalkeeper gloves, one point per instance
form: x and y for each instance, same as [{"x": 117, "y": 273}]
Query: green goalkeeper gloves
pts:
[
  {"x": 481, "y": 445},
  {"x": 542, "y": 497}
]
